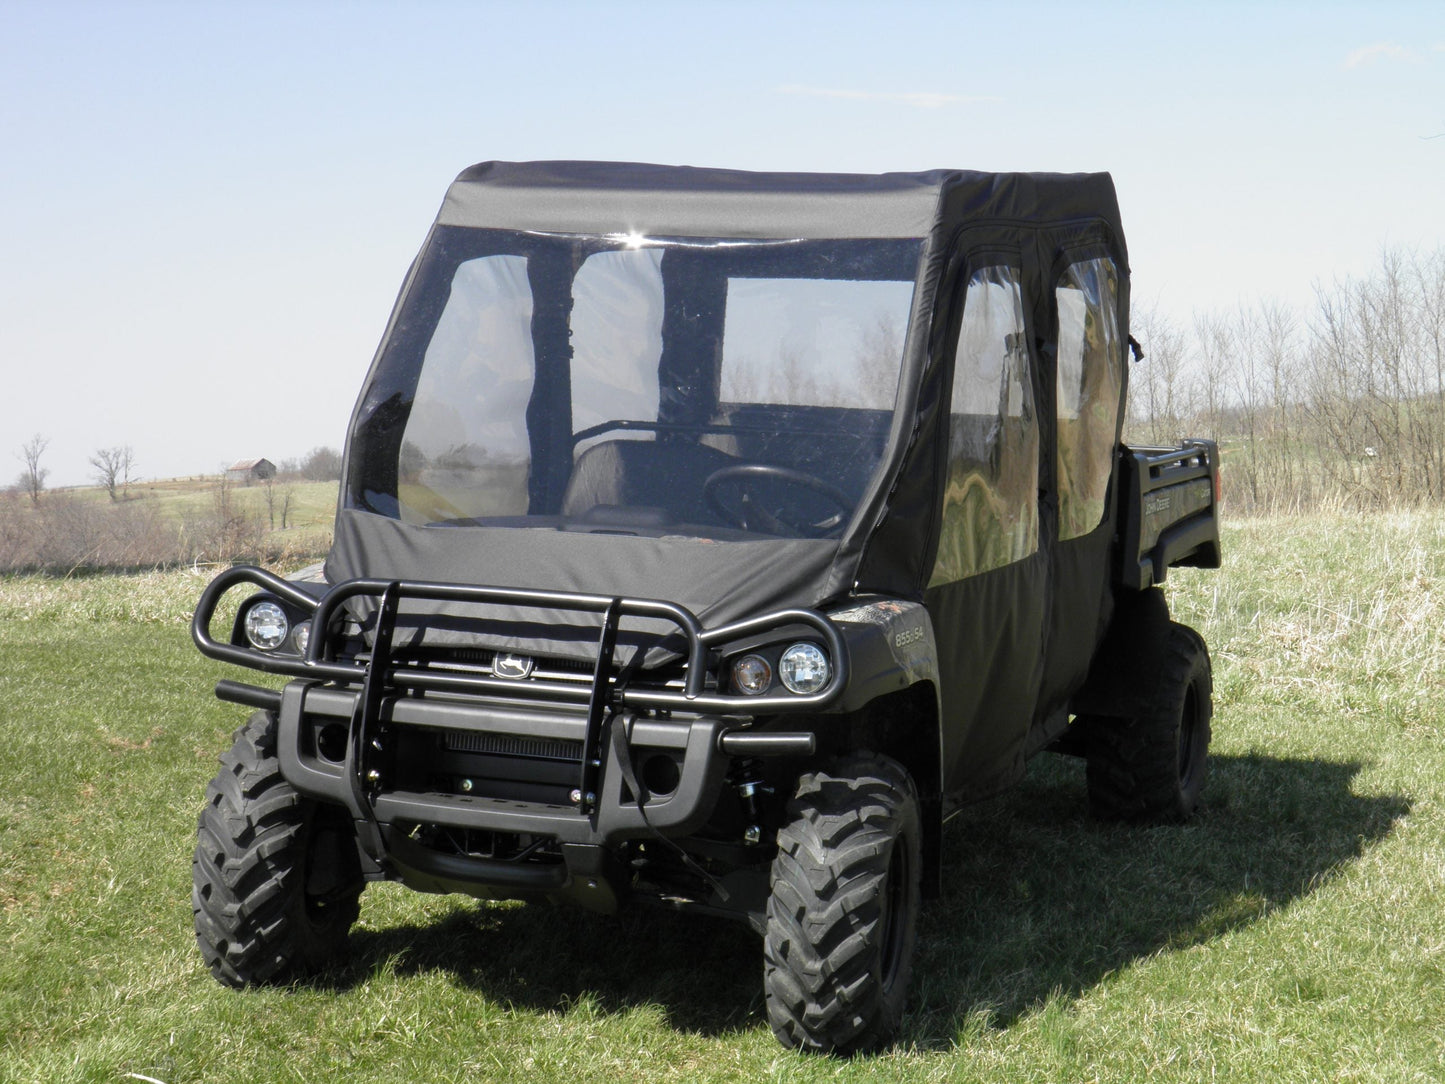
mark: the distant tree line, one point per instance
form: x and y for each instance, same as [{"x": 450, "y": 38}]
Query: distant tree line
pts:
[
  {"x": 1339, "y": 407},
  {"x": 321, "y": 464},
  {"x": 115, "y": 468}
]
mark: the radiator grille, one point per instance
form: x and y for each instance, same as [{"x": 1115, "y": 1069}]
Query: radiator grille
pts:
[{"x": 512, "y": 745}]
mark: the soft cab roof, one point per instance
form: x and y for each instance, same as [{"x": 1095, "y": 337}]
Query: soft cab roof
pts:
[{"x": 686, "y": 201}]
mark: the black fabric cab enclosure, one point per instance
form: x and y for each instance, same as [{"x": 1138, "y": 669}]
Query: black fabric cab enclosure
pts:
[{"x": 742, "y": 392}]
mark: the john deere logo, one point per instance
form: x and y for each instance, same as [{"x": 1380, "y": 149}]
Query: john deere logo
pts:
[{"x": 515, "y": 667}]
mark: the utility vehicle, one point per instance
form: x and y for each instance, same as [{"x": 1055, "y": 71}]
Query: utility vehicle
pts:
[{"x": 705, "y": 539}]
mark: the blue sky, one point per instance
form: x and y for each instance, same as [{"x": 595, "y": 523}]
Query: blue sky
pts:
[{"x": 206, "y": 209}]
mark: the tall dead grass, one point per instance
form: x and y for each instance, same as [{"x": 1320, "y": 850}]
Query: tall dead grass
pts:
[
  {"x": 146, "y": 598},
  {"x": 1334, "y": 612},
  {"x": 65, "y": 533}
]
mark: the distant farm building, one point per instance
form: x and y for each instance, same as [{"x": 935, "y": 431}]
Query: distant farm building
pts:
[{"x": 251, "y": 470}]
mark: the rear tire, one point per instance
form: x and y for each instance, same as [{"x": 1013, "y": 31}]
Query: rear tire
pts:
[
  {"x": 1151, "y": 768},
  {"x": 843, "y": 912},
  {"x": 276, "y": 876}
]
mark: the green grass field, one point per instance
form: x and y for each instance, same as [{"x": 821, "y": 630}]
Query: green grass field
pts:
[
  {"x": 313, "y": 504},
  {"x": 1295, "y": 931}
]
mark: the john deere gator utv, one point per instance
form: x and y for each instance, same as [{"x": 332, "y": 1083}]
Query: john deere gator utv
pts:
[{"x": 705, "y": 539}]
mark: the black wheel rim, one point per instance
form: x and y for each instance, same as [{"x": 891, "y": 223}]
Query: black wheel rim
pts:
[
  {"x": 1188, "y": 737},
  {"x": 895, "y": 913},
  {"x": 324, "y": 880}
]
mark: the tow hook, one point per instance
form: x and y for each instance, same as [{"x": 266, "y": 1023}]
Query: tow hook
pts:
[{"x": 750, "y": 787}]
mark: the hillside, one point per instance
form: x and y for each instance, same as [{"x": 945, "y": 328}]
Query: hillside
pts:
[{"x": 181, "y": 521}]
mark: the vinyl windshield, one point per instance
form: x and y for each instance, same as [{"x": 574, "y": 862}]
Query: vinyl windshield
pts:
[{"x": 707, "y": 388}]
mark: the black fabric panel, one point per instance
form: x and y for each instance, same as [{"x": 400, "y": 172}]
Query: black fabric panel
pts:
[
  {"x": 990, "y": 633},
  {"x": 1079, "y": 612},
  {"x": 1035, "y": 200},
  {"x": 694, "y": 308},
  {"x": 891, "y": 550},
  {"x": 719, "y": 582},
  {"x": 549, "y": 275}
]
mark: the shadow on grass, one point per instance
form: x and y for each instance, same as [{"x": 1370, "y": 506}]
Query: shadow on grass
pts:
[
  {"x": 1039, "y": 899},
  {"x": 703, "y": 973}
]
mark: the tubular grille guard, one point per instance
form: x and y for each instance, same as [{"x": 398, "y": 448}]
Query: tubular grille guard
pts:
[{"x": 600, "y": 695}]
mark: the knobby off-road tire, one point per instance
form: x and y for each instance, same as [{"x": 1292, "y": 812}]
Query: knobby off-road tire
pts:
[
  {"x": 276, "y": 877},
  {"x": 1151, "y": 768},
  {"x": 843, "y": 911}
]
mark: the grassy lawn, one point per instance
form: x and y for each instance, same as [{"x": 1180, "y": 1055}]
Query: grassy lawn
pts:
[
  {"x": 1294, "y": 932},
  {"x": 312, "y": 504}
]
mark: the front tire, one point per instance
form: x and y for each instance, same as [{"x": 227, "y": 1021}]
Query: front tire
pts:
[
  {"x": 843, "y": 911},
  {"x": 276, "y": 876},
  {"x": 1151, "y": 768}
]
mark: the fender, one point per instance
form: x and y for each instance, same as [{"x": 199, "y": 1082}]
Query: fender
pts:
[{"x": 891, "y": 647}]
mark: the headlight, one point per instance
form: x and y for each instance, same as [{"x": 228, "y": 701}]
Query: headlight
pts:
[
  {"x": 266, "y": 626},
  {"x": 302, "y": 638},
  {"x": 752, "y": 674},
  {"x": 804, "y": 668}
]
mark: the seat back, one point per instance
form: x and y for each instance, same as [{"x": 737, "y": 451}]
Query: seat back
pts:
[{"x": 651, "y": 474}]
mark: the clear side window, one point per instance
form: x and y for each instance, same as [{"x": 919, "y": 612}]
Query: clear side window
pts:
[
  {"x": 616, "y": 343},
  {"x": 990, "y": 503},
  {"x": 465, "y": 451},
  {"x": 1090, "y": 365}
]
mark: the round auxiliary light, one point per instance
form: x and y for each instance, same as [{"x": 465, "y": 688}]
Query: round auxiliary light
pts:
[
  {"x": 266, "y": 626},
  {"x": 302, "y": 638},
  {"x": 752, "y": 674},
  {"x": 804, "y": 668}
]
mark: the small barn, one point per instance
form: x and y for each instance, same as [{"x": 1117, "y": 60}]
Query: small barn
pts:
[{"x": 251, "y": 470}]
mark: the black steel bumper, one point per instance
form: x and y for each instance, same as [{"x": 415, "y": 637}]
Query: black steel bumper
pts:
[
  {"x": 338, "y": 723},
  {"x": 611, "y": 815}
]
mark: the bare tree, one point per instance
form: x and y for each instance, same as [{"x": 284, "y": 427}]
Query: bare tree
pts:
[
  {"x": 286, "y": 495},
  {"x": 1238, "y": 345},
  {"x": 227, "y": 531},
  {"x": 1216, "y": 353},
  {"x": 1277, "y": 339},
  {"x": 1374, "y": 380},
  {"x": 113, "y": 467},
  {"x": 321, "y": 465},
  {"x": 1429, "y": 275},
  {"x": 1159, "y": 397},
  {"x": 32, "y": 479}
]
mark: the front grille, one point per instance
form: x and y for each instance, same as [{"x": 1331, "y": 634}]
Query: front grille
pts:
[
  {"x": 511, "y": 745},
  {"x": 548, "y": 668},
  {"x": 481, "y": 661}
]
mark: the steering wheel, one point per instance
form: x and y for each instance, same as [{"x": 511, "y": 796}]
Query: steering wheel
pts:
[{"x": 775, "y": 517}]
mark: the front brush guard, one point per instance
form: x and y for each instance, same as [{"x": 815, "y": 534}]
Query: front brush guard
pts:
[
  {"x": 358, "y": 688},
  {"x": 321, "y": 663}
]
